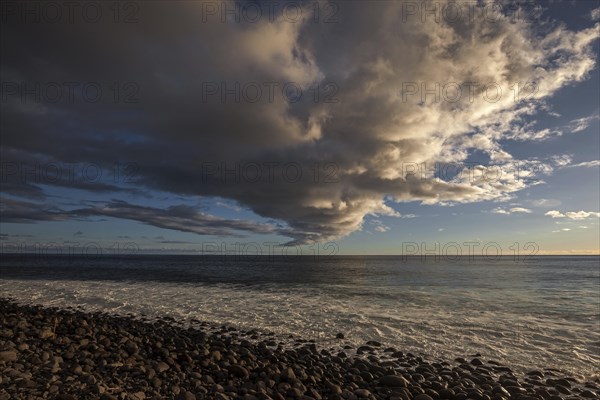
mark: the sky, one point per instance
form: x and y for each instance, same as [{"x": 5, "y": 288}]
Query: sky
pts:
[{"x": 309, "y": 127}]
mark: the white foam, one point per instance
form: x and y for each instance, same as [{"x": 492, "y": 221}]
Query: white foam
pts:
[{"x": 424, "y": 324}]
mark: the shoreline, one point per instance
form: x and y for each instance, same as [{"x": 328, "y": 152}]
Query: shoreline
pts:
[{"x": 70, "y": 354}]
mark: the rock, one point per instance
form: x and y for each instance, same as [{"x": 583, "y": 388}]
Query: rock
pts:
[
  {"x": 563, "y": 382},
  {"x": 65, "y": 396},
  {"x": 373, "y": 343},
  {"x": 131, "y": 347},
  {"x": 162, "y": 367},
  {"x": 239, "y": 371},
  {"x": 46, "y": 333},
  {"x": 137, "y": 396},
  {"x": 288, "y": 374},
  {"x": 333, "y": 388},
  {"x": 562, "y": 389},
  {"x": 535, "y": 373},
  {"x": 501, "y": 391},
  {"x": 423, "y": 397},
  {"x": 8, "y": 356},
  {"x": 185, "y": 395},
  {"x": 340, "y": 336},
  {"x": 393, "y": 381},
  {"x": 515, "y": 390},
  {"x": 362, "y": 393},
  {"x": 588, "y": 394}
]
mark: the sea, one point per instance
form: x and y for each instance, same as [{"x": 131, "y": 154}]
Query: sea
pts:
[{"x": 540, "y": 312}]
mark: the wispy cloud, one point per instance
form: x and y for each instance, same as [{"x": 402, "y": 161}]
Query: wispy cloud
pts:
[
  {"x": 580, "y": 124},
  {"x": 229, "y": 205},
  {"x": 513, "y": 210},
  {"x": 585, "y": 164},
  {"x": 379, "y": 226},
  {"x": 546, "y": 203},
  {"x": 575, "y": 215}
]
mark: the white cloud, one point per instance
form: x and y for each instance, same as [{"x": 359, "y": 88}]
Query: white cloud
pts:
[
  {"x": 499, "y": 210},
  {"x": 408, "y": 216},
  {"x": 575, "y": 215},
  {"x": 585, "y": 164},
  {"x": 520, "y": 210},
  {"x": 555, "y": 214},
  {"x": 561, "y": 230},
  {"x": 562, "y": 160},
  {"x": 580, "y": 124},
  {"x": 546, "y": 202},
  {"x": 595, "y": 14},
  {"x": 379, "y": 226},
  {"x": 228, "y": 205}
]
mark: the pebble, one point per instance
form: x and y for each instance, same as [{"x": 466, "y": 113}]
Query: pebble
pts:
[
  {"x": 8, "y": 356},
  {"x": 393, "y": 380}
]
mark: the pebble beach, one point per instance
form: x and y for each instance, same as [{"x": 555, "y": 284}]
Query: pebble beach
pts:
[{"x": 51, "y": 353}]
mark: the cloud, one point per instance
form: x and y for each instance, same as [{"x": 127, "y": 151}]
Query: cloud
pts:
[
  {"x": 230, "y": 206},
  {"x": 513, "y": 210},
  {"x": 379, "y": 226},
  {"x": 585, "y": 164},
  {"x": 562, "y": 160},
  {"x": 520, "y": 210},
  {"x": 18, "y": 211},
  {"x": 575, "y": 215},
  {"x": 555, "y": 214},
  {"x": 595, "y": 14},
  {"x": 6, "y": 236},
  {"x": 181, "y": 218},
  {"x": 580, "y": 124},
  {"x": 561, "y": 230},
  {"x": 188, "y": 142},
  {"x": 546, "y": 202}
]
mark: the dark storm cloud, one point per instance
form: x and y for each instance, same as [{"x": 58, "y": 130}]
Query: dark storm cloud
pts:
[
  {"x": 157, "y": 103},
  {"x": 26, "y": 212},
  {"x": 180, "y": 218},
  {"x": 23, "y": 174}
]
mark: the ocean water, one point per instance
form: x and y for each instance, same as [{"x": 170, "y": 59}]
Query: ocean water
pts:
[{"x": 539, "y": 313}]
